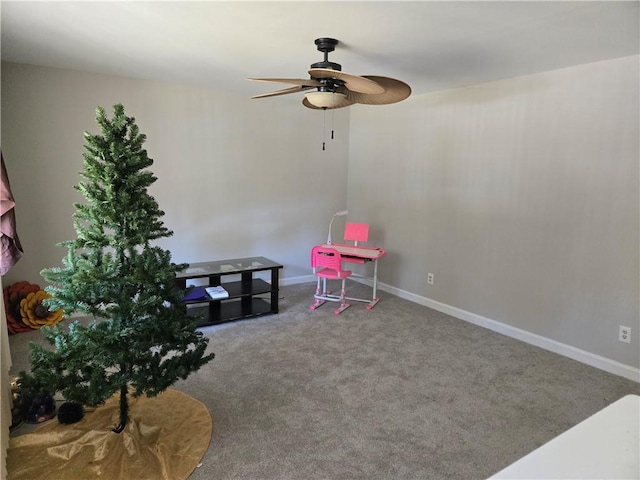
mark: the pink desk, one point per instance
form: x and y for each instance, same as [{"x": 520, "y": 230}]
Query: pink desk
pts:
[{"x": 362, "y": 254}]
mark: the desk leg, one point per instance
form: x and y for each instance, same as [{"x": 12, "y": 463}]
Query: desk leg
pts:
[{"x": 374, "y": 299}]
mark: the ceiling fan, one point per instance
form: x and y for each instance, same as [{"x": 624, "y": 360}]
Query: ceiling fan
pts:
[{"x": 332, "y": 88}]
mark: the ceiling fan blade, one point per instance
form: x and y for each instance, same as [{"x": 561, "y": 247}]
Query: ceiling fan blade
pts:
[
  {"x": 394, "y": 91},
  {"x": 284, "y": 91},
  {"x": 309, "y": 82},
  {"x": 354, "y": 83},
  {"x": 345, "y": 103}
]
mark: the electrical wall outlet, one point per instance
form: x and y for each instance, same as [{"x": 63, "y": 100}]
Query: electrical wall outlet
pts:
[
  {"x": 430, "y": 278},
  {"x": 625, "y": 334}
]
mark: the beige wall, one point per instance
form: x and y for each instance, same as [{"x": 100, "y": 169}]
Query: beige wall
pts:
[
  {"x": 520, "y": 196},
  {"x": 236, "y": 177}
]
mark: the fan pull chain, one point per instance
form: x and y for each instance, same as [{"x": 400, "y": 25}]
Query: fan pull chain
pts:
[
  {"x": 324, "y": 126},
  {"x": 333, "y": 114}
]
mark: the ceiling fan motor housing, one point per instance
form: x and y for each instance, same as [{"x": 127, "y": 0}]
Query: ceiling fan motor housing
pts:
[
  {"x": 326, "y": 45},
  {"x": 329, "y": 84}
]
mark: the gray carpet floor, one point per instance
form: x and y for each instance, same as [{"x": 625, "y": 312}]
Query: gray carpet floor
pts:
[{"x": 398, "y": 392}]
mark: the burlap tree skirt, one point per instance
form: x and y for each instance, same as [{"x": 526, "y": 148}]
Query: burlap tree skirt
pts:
[{"x": 165, "y": 438}]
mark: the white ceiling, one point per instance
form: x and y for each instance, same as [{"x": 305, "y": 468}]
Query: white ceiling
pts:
[{"x": 430, "y": 45}]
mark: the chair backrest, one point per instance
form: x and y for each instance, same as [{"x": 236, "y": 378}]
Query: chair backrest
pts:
[
  {"x": 326, "y": 257},
  {"x": 356, "y": 232}
]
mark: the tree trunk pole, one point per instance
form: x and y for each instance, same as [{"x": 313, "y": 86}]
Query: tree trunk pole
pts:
[{"x": 124, "y": 409}]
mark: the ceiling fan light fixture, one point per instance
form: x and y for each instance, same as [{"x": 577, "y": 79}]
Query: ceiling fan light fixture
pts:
[{"x": 325, "y": 99}]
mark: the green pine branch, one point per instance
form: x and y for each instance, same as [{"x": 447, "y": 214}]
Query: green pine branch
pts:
[{"x": 141, "y": 338}]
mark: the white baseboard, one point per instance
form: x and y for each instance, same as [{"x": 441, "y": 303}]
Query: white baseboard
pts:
[
  {"x": 574, "y": 353},
  {"x": 588, "y": 358},
  {"x": 296, "y": 280}
]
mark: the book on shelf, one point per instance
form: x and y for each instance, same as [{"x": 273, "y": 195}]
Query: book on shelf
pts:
[
  {"x": 194, "y": 294},
  {"x": 217, "y": 292}
]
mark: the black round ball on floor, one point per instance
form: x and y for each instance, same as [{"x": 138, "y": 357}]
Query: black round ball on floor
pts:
[{"x": 70, "y": 412}]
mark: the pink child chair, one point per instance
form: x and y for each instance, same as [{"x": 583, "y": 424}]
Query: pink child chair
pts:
[{"x": 327, "y": 265}]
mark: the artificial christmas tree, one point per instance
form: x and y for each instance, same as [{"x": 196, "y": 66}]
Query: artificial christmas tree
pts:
[{"x": 140, "y": 339}]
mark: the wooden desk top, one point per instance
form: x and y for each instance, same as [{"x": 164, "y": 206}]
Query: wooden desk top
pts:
[{"x": 371, "y": 253}]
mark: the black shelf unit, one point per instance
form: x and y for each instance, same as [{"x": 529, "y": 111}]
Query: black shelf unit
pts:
[{"x": 248, "y": 297}]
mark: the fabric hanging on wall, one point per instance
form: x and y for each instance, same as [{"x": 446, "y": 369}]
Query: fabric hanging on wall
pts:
[{"x": 11, "y": 249}]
